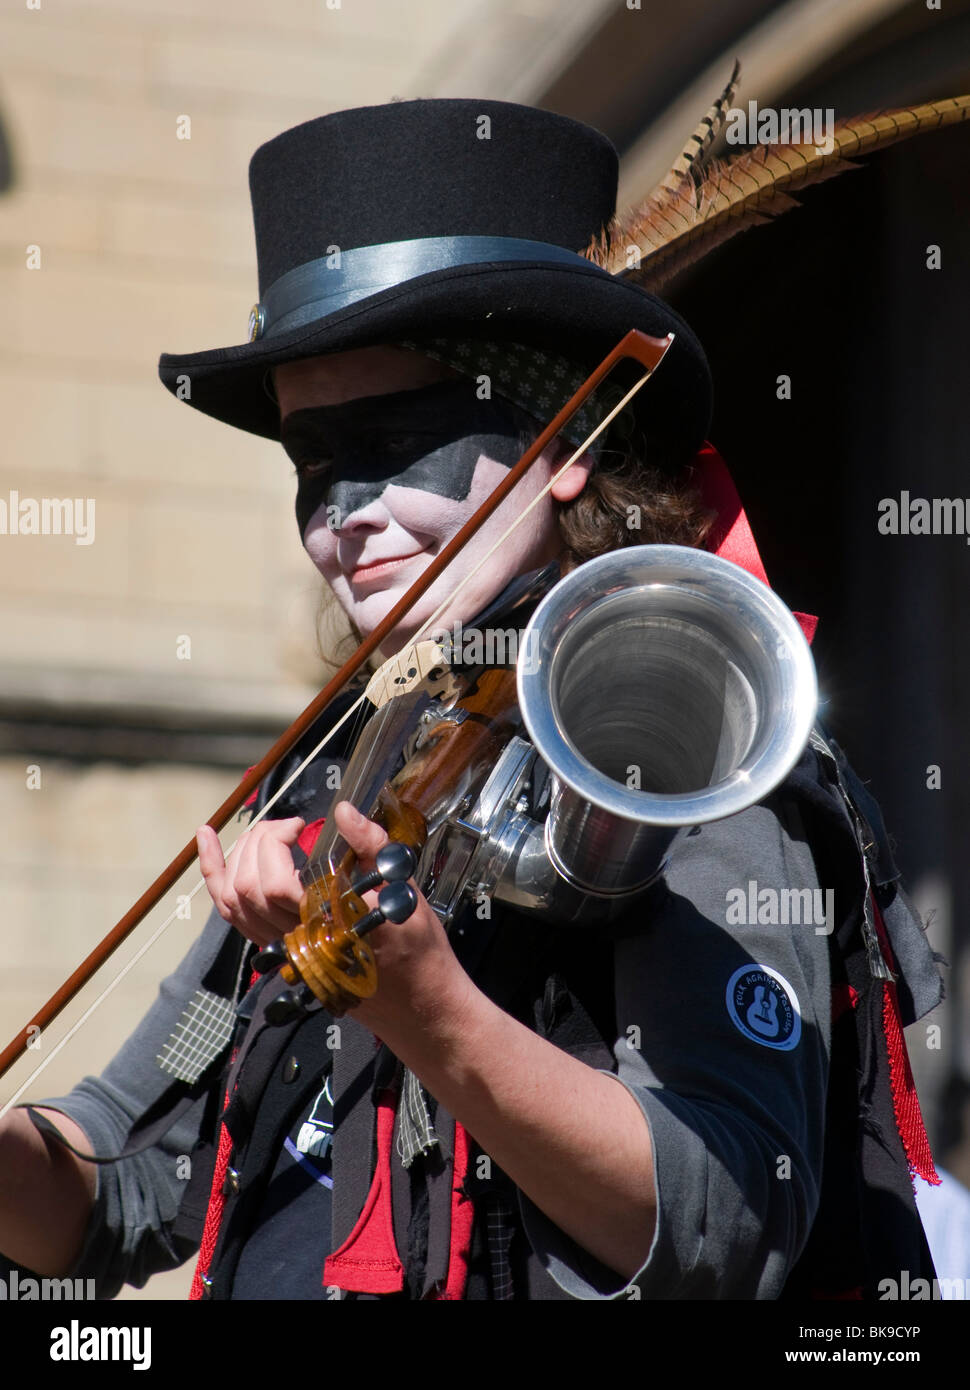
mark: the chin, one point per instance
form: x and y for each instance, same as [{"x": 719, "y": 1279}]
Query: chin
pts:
[
  {"x": 413, "y": 622},
  {"x": 368, "y": 613}
]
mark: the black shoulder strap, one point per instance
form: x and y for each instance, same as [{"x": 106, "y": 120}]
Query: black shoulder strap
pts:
[
  {"x": 867, "y": 1228},
  {"x": 918, "y": 982}
]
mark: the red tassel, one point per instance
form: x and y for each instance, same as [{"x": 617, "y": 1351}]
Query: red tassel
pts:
[
  {"x": 909, "y": 1117},
  {"x": 217, "y": 1195},
  {"x": 213, "y": 1216}
]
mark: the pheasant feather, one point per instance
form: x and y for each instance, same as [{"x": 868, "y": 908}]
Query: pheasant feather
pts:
[
  {"x": 681, "y": 222},
  {"x": 690, "y": 163}
]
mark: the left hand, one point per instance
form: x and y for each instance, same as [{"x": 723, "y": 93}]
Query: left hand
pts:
[{"x": 418, "y": 975}]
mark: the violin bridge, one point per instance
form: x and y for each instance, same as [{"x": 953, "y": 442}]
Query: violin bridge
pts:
[{"x": 420, "y": 666}]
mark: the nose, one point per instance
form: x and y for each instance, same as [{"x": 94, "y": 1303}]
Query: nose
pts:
[{"x": 356, "y": 513}]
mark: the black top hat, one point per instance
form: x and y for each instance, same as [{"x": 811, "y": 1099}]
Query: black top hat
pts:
[{"x": 454, "y": 218}]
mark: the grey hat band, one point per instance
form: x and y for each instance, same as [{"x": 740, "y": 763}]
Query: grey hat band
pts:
[{"x": 321, "y": 287}]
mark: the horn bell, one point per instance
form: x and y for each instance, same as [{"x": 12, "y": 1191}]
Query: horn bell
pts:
[{"x": 664, "y": 687}]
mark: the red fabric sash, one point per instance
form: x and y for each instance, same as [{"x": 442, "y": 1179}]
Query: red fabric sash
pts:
[
  {"x": 731, "y": 536},
  {"x": 368, "y": 1261}
]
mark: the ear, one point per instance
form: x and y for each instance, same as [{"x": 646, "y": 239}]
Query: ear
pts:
[{"x": 573, "y": 481}]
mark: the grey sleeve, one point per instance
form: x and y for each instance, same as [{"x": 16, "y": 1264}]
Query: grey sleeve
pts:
[
  {"x": 724, "y": 1041},
  {"x": 129, "y": 1236}
]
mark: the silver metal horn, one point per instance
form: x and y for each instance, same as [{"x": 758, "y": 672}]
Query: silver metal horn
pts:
[{"x": 664, "y": 687}]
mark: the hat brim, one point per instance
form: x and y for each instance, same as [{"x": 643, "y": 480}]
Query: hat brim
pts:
[{"x": 579, "y": 314}]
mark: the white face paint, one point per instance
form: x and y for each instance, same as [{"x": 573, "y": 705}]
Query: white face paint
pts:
[
  {"x": 381, "y": 549},
  {"x": 371, "y": 556}
]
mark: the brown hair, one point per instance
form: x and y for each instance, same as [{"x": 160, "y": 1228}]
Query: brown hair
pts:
[{"x": 627, "y": 500}]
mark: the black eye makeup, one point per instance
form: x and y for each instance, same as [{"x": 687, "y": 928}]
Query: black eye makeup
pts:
[
  {"x": 429, "y": 439},
  {"x": 400, "y": 442},
  {"x": 314, "y": 465},
  {"x": 438, "y": 413}
]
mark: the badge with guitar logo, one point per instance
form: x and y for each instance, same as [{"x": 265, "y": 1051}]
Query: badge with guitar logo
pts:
[{"x": 764, "y": 1007}]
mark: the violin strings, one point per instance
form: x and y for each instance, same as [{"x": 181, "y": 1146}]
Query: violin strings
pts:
[{"x": 422, "y": 631}]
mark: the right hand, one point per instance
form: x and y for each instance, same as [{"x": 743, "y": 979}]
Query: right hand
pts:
[{"x": 259, "y": 890}]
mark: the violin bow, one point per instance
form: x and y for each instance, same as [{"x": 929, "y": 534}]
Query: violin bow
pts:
[{"x": 640, "y": 347}]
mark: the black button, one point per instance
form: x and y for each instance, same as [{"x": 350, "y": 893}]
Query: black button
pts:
[
  {"x": 232, "y": 1181},
  {"x": 291, "y": 1069}
]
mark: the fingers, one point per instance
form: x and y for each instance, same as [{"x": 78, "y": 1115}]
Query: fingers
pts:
[
  {"x": 363, "y": 836},
  {"x": 211, "y": 860},
  {"x": 265, "y": 881},
  {"x": 259, "y": 890}
]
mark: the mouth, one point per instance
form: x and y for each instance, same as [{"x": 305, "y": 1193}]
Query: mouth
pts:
[{"x": 362, "y": 573}]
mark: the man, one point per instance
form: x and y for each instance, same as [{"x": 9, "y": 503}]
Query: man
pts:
[{"x": 463, "y": 1135}]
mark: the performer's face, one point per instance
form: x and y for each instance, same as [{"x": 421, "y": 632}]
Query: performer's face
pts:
[{"x": 394, "y": 452}]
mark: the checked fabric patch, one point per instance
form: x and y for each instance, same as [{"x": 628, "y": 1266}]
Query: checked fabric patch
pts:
[{"x": 201, "y": 1033}]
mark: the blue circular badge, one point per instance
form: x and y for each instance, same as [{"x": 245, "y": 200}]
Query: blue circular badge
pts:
[{"x": 764, "y": 1007}]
